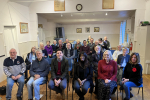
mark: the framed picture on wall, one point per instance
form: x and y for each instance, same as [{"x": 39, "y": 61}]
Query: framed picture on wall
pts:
[
  {"x": 79, "y": 30},
  {"x": 87, "y": 30},
  {"x": 24, "y": 27},
  {"x": 96, "y": 29}
]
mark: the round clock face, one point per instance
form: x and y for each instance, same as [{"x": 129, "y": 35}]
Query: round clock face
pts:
[{"x": 79, "y": 7}]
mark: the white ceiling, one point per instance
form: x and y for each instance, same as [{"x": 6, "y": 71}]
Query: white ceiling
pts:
[{"x": 91, "y": 17}]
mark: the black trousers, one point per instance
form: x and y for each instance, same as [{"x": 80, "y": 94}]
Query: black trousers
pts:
[{"x": 105, "y": 89}]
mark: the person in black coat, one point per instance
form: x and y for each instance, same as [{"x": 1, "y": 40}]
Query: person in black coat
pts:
[
  {"x": 83, "y": 73},
  {"x": 31, "y": 56},
  {"x": 122, "y": 61},
  {"x": 96, "y": 57},
  {"x": 132, "y": 75}
]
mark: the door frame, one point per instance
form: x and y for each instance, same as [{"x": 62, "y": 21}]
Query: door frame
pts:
[{"x": 18, "y": 53}]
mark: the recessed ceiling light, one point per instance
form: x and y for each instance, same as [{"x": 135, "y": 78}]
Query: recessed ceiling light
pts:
[
  {"x": 61, "y": 15},
  {"x": 93, "y": 14},
  {"x": 106, "y": 14},
  {"x": 71, "y": 15}
]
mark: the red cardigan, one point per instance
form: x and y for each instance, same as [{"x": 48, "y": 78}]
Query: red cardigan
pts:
[{"x": 107, "y": 71}]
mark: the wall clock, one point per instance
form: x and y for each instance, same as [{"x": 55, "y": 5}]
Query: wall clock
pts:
[{"x": 79, "y": 7}]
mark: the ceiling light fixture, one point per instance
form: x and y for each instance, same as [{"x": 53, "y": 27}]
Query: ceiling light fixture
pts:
[
  {"x": 71, "y": 15},
  {"x": 106, "y": 14},
  {"x": 61, "y": 15}
]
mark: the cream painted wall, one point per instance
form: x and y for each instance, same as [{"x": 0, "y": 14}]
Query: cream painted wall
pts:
[
  {"x": 109, "y": 30},
  {"x": 70, "y": 6},
  {"x": 11, "y": 14},
  {"x": 147, "y": 12},
  {"x": 49, "y": 29}
]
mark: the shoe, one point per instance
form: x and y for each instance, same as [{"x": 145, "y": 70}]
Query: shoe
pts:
[
  {"x": 19, "y": 98},
  {"x": 63, "y": 94},
  {"x": 126, "y": 99},
  {"x": 56, "y": 92},
  {"x": 81, "y": 98},
  {"x": 131, "y": 95}
]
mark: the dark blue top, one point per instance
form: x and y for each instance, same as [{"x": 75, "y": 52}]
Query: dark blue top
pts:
[
  {"x": 54, "y": 47},
  {"x": 39, "y": 67}
]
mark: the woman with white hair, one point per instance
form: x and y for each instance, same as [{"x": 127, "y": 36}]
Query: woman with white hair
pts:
[
  {"x": 107, "y": 71},
  {"x": 77, "y": 46},
  {"x": 44, "y": 52}
]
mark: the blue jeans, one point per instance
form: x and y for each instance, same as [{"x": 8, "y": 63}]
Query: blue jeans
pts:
[
  {"x": 127, "y": 87},
  {"x": 36, "y": 85},
  {"x": 10, "y": 83},
  {"x": 84, "y": 87},
  {"x": 62, "y": 85}
]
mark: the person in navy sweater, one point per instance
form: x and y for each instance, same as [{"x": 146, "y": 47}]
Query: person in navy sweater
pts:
[
  {"x": 38, "y": 72},
  {"x": 132, "y": 75}
]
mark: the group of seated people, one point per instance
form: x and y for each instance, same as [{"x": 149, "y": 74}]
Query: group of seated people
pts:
[{"x": 95, "y": 57}]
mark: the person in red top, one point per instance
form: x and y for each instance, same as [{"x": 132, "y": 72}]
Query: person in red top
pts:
[{"x": 107, "y": 80}]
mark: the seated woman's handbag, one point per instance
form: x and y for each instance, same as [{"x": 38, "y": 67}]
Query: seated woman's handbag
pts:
[{"x": 3, "y": 90}]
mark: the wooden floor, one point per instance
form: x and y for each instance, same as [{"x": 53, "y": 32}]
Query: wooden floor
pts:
[{"x": 54, "y": 96}]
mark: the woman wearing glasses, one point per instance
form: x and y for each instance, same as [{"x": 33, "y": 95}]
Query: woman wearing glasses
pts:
[
  {"x": 107, "y": 71},
  {"x": 132, "y": 75}
]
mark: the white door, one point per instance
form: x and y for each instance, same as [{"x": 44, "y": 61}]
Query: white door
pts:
[
  {"x": 42, "y": 35},
  {"x": 10, "y": 39},
  {"x": 2, "y": 57}
]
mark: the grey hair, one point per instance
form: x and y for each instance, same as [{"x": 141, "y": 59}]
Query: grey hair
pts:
[
  {"x": 38, "y": 50},
  {"x": 109, "y": 52},
  {"x": 98, "y": 46},
  {"x": 54, "y": 41},
  {"x": 125, "y": 48}
]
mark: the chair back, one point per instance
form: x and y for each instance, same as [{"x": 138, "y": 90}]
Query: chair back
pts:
[
  {"x": 70, "y": 63},
  {"x": 112, "y": 51},
  {"x": 49, "y": 62}
]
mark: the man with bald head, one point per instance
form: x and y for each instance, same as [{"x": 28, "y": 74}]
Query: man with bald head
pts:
[
  {"x": 14, "y": 68},
  {"x": 65, "y": 44}
]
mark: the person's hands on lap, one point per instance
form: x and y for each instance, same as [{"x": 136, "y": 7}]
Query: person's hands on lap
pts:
[
  {"x": 36, "y": 76},
  {"x": 50, "y": 55},
  {"x": 83, "y": 81},
  {"x": 80, "y": 82},
  {"x": 124, "y": 80},
  {"x": 107, "y": 81},
  {"x": 18, "y": 76},
  {"x": 13, "y": 77}
]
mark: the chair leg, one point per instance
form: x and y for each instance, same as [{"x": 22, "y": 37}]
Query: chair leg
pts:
[
  {"x": 142, "y": 94},
  {"x": 117, "y": 92},
  {"x": 122, "y": 94},
  {"x": 138, "y": 90},
  {"x": 72, "y": 93},
  {"x": 50, "y": 93},
  {"x": 46, "y": 90},
  {"x": 91, "y": 97},
  {"x": 67, "y": 92}
]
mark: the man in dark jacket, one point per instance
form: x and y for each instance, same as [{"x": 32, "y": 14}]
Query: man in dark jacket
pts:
[
  {"x": 122, "y": 61},
  {"x": 59, "y": 73},
  {"x": 96, "y": 57},
  {"x": 38, "y": 72}
]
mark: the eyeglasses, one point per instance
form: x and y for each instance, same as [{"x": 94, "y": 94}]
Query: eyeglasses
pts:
[
  {"x": 106, "y": 54},
  {"x": 12, "y": 52}
]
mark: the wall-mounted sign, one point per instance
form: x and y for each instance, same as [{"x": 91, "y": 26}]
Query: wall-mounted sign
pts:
[
  {"x": 59, "y": 5},
  {"x": 108, "y": 4}
]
